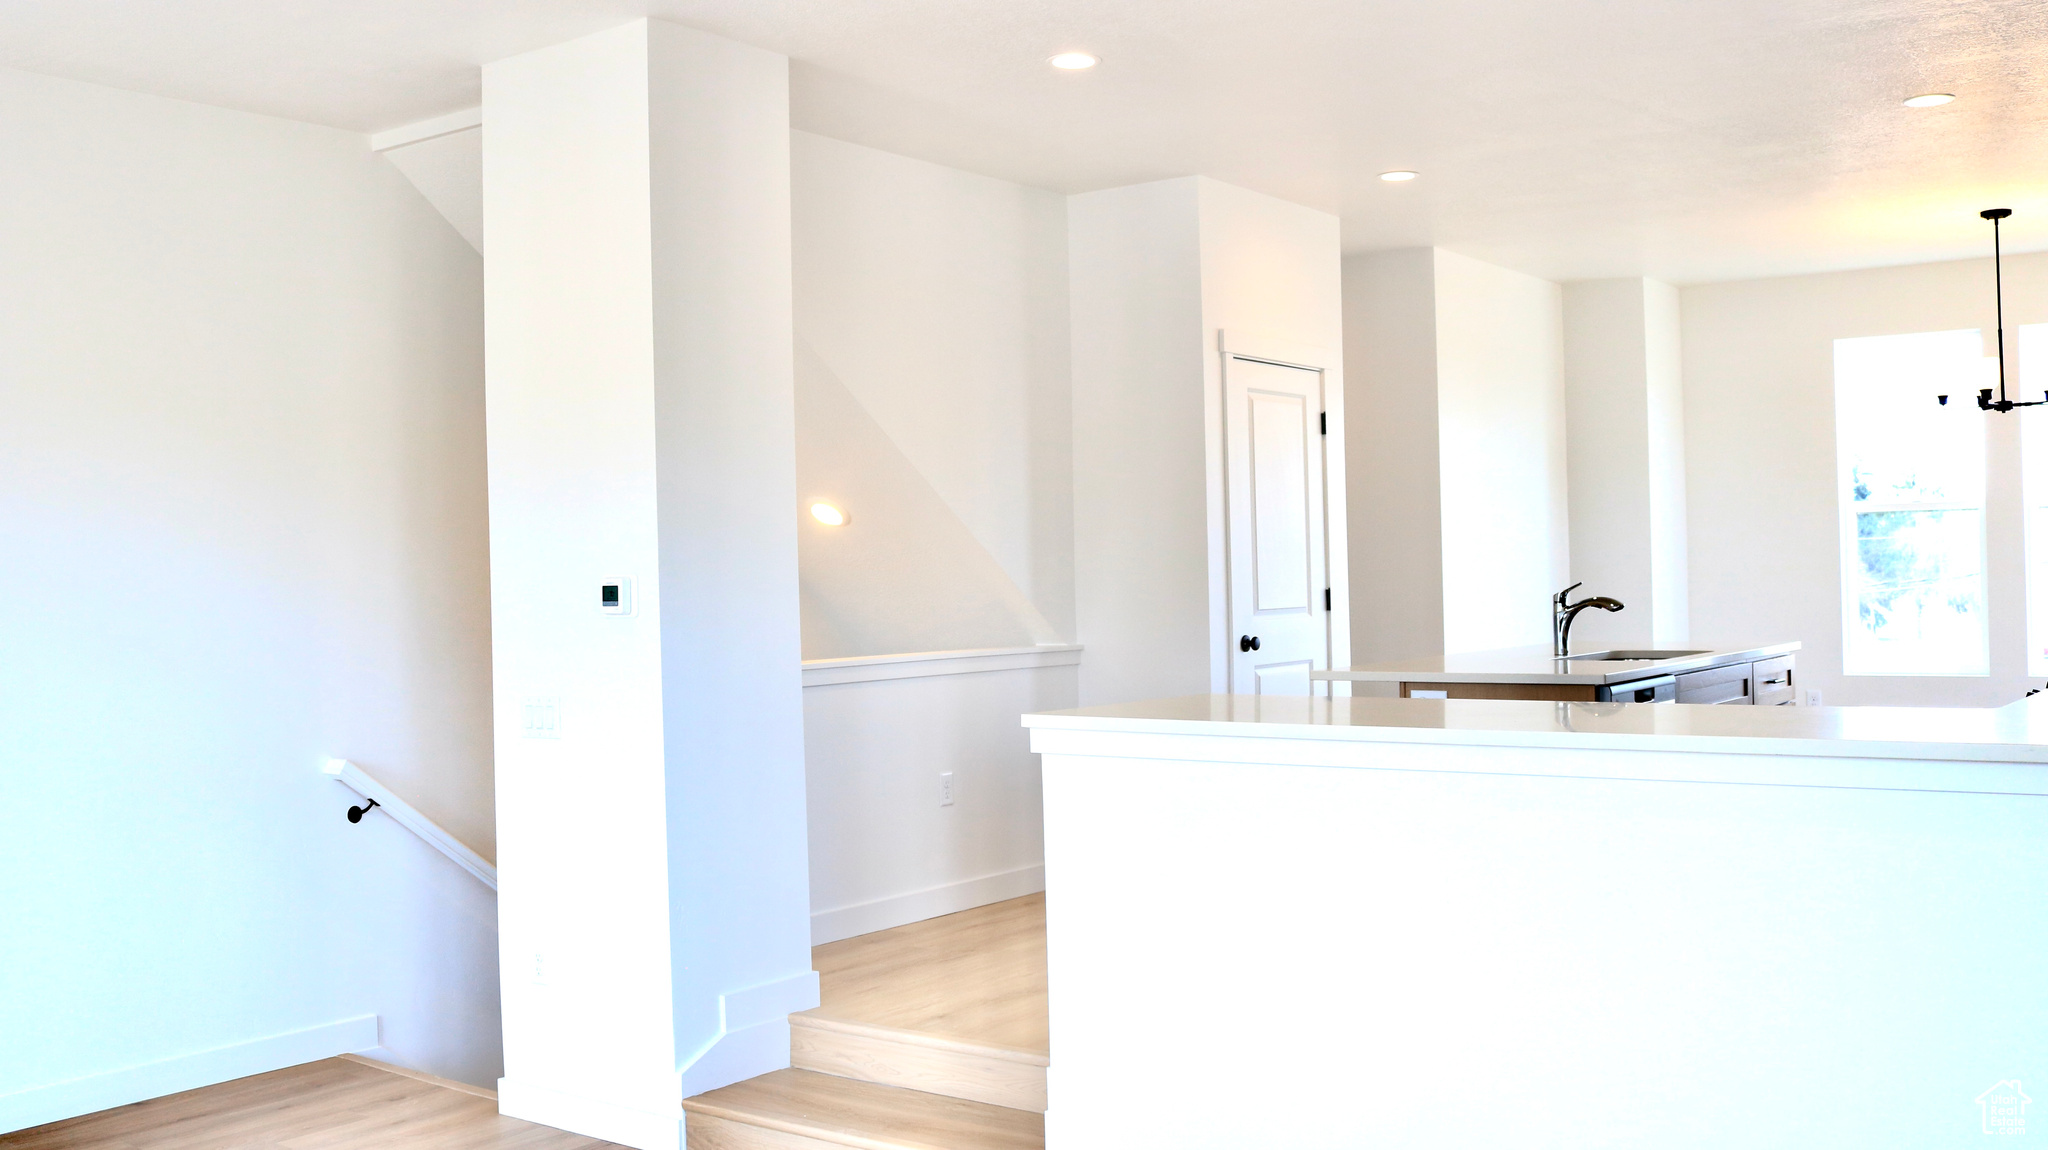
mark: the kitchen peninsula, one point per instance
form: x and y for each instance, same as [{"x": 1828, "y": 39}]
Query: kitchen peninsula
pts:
[
  {"x": 1759, "y": 674},
  {"x": 1322, "y": 923}
]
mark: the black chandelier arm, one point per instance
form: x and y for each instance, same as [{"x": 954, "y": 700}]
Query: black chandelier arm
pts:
[
  {"x": 1998, "y": 293},
  {"x": 1984, "y": 400}
]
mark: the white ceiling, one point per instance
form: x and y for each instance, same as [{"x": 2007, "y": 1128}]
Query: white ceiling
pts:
[{"x": 1687, "y": 139}]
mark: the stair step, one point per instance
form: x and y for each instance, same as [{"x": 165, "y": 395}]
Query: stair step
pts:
[
  {"x": 805, "y": 1110},
  {"x": 935, "y": 1064}
]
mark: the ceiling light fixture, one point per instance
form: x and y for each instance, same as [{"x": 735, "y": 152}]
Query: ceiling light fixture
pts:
[
  {"x": 1930, "y": 100},
  {"x": 829, "y": 515},
  {"x": 1984, "y": 401},
  {"x": 1073, "y": 61},
  {"x": 1398, "y": 177}
]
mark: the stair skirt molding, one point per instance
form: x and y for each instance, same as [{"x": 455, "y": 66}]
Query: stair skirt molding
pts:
[
  {"x": 753, "y": 1040},
  {"x": 38, "y": 1105},
  {"x": 753, "y": 1033},
  {"x": 899, "y": 910}
]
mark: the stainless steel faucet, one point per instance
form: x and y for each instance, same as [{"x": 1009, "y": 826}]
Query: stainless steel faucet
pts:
[{"x": 1562, "y": 614}]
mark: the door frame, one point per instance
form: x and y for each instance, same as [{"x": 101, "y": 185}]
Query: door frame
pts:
[{"x": 1232, "y": 346}]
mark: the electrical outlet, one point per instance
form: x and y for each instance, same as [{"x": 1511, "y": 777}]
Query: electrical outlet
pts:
[
  {"x": 1813, "y": 696},
  {"x": 540, "y": 969},
  {"x": 945, "y": 788},
  {"x": 540, "y": 717}
]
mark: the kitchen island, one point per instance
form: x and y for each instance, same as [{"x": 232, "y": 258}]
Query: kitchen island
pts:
[
  {"x": 1760, "y": 674},
  {"x": 1302, "y": 922}
]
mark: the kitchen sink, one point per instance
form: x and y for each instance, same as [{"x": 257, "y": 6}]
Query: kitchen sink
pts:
[{"x": 1631, "y": 656}]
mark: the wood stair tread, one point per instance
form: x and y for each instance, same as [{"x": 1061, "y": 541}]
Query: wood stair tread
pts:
[
  {"x": 848, "y": 1112},
  {"x": 824, "y": 1020},
  {"x": 976, "y": 975}
]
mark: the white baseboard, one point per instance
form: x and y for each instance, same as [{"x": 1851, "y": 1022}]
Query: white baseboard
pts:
[
  {"x": 37, "y": 1105},
  {"x": 753, "y": 1035},
  {"x": 738, "y": 1055},
  {"x": 769, "y": 1002},
  {"x": 591, "y": 1117},
  {"x": 897, "y": 910}
]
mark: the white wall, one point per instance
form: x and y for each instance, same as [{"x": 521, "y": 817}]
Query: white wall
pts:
[
  {"x": 241, "y": 483},
  {"x": 1158, "y": 271},
  {"x": 1141, "y": 519},
  {"x": 1460, "y": 454},
  {"x": 1760, "y": 459},
  {"x": 938, "y": 300},
  {"x": 1625, "y": 431},
  {"x": 1670, "y": 535},
  {"x": 1396, "y": 497},
  {"x": 1272, "y": 277},
  {"x": 933, "y": 404},
  {"x": 1501, "y": 421},
  {"x": 884, "y": 851}
]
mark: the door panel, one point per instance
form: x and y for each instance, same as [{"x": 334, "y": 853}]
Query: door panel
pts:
[
  {"x": 1280, "y": 478},
  {"x": 1274, "y": 469},
  {"x": 1281, "y": 678}
]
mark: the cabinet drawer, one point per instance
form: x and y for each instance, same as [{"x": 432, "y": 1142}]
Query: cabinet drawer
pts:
[
  {"x": 1728, "y": 684},
  {"x": 1771, "y": 681}
]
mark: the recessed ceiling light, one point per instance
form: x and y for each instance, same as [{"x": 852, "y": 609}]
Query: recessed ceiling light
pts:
[
  {"x": 1930, "y": 100},
  {"x": 1073, "y": 61},
  {"x": 829, "y": 515},
  {"x": 1398, "y": 177}
]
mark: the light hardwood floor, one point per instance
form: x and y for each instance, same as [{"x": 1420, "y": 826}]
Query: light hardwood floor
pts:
[
  {"x": 930, "y": 1036},
  {"x": 338, "y": 1104},
  {"x": 800, "y": 1110},
  {"x": 977, "y": 976}
]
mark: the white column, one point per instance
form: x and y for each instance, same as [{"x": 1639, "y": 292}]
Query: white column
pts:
[
  {"x": 654, "y": 913},
  {"x": 1397, "y": 528},
  {"x": 1626, "y": 430},
  {"x": 1142, "y": 595},
  {"x": 1458, "y": 522}
]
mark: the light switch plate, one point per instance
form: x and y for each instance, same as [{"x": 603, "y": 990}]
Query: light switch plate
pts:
[{"x": 615, "y": 596}]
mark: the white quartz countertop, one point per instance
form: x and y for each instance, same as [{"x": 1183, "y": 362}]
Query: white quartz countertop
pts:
[
  {"x": 1538, "y": 665},
  {"x": 2016, "y": 733}
]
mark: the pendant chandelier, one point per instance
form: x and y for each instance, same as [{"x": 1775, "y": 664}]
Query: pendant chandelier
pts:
[{"x": 1984, "y": 400}]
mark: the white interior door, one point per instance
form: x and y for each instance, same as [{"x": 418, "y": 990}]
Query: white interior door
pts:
[{"x": 1278, "y": 577}]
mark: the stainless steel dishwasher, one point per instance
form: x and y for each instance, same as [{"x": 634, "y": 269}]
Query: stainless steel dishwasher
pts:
[{"x": 1662, "y": 689}]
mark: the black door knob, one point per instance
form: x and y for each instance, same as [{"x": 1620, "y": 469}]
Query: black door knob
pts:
[{"x": 1247, "y": 642}]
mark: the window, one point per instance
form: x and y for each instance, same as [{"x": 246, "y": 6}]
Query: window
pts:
[{"x": 1912, "y": 499}]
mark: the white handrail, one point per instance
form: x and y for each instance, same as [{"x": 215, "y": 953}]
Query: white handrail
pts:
[{"x": 404, "y": 814}]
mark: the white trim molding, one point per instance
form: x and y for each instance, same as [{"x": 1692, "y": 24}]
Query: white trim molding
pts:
[
  {"x": 57, "y": 1101},
  {"x": 409, "y": 817},
  {"x": 925, "y": 664},
  {"x": 753, "y": 1033},
  {"x": 603, "y": 1118},
  {"x": 768, "y": 1002},
  {"x": 439, "y": 126},
  {"x": 918, "y": 905}
]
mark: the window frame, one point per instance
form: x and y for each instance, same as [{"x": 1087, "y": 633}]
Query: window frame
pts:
[{"x": 1849, "y": 549}]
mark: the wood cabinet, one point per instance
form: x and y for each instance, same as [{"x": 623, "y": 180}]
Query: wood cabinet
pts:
[
  {"x": 1716, "y": 685},
  {"x": 1764, "y": 683}
]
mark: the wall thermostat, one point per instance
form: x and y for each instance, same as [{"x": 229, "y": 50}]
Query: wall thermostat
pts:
[{"x": 615, "y": 596}]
